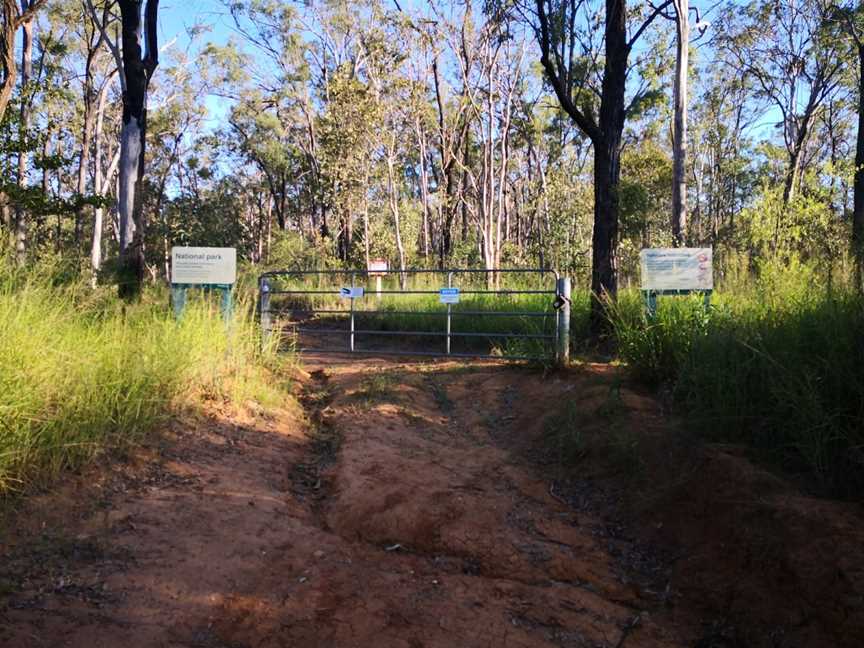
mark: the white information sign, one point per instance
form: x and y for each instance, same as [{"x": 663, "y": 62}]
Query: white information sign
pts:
[
  {"x": 677, "y": 269},
  {"x": 449, "y": 295},
  {"x": 351, "y": 293},
  {"x": 378, "y": 267},
  {"x": 201, "y": 265}
]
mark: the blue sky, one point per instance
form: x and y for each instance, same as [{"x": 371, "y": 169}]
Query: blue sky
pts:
[{"x": 176, "y": 15}]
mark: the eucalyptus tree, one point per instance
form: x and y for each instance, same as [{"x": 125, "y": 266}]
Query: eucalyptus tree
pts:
[
  {"x": 23, "y": 126},
  {"x": 852, "y": 21},
  {"x": 492, "y": 71},
  {"x": 352, "y": 133},
  {"x": 585, "y": 50},
  {"x": 139, "y": 64},
  {"x": 793, "y": 52},
  {"x": 268, "y": 79},
  {"x": 176, "y": 115},
  {"x": 722, "y": 151},
  {"x": 106, "y": 160},
  {"x": 14, "y": 17},
  {"x": 454, "y": 120},
  {"x": 680, "y": 15},
  {"x": 99, "y": 69}
]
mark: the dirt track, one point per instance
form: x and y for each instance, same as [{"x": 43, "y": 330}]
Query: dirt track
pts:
[
  {"x": 401, "y": 516},
  {"x": 409, "y": 508}
]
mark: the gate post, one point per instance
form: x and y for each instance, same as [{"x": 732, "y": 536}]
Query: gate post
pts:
[
  {"x": 264, "y": 307},
  {"x": 351, "y": 331},
  {"x": 562, "y": 344},
  {"x": 449, "y": 311}
]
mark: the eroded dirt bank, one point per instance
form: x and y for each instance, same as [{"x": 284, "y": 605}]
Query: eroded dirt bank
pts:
[{"x": 416, "y": 506}]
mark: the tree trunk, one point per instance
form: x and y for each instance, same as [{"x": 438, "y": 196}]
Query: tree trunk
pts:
[
  {"x": 607, "y": 166},
  {"x": 99, "y": 183},
  {"x": 424, "y": 188},
  {"x": 445, "y": 142},
  {"x": 463, "y": 185},
  {"x": 799, "y": 143},
  {"x": 366, "y": 229},
  {"x": 679, "y": 131},
  {"x": 858, "y": 206},
  {"x": 7, "y": 52},
  {"x": 604, "y": 278},
  {"x": 793, "y": 175},
  {"x": 86, "y": 140},
  {"x": 12, "y": 19},
  {"x": 21, "y": 216},
  {"x": 131, "y": 175},
  {"x": 138, "y": 70},
  {"x": 605, "y": 134},
  {"x": 393, "y": 200}
]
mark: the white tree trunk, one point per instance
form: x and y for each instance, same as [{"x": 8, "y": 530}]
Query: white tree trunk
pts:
[
  {"x": 393, "y": 199},
  {"x": 99, "y": 180},
  {"x": 130, "y": 160},
  {"x": 21, "y": 215},
  {"x": 424, "y": 187},
  {"x": 679, "y": 130}
]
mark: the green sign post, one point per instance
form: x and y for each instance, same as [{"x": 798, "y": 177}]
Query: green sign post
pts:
[{"x": 650, "y": 297}]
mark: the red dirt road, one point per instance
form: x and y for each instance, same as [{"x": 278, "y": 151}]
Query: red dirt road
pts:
[
  {"x": 397, "y": 517},
  {"x": 407, "y": 508}
]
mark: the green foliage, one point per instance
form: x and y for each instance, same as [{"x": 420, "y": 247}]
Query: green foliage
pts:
[
  {"x": 776, "y": 367},
  {"x": 566, "y": 243},
  {"x": 80, "y": 373},
  {"x": 655, "y": 348},
  {"x": 292, "y": 251},
  {"x": 646, "y": 178},
  {"x": 807, "y": 226}
]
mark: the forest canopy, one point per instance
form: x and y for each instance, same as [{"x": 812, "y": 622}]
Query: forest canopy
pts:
[{"x": 564, "y": 134}]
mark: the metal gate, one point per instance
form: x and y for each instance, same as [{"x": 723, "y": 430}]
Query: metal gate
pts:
[{"x": 514, "y": 314}]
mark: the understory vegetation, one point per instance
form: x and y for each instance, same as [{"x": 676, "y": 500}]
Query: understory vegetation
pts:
[
  {"x": 80, "y": 372},
  {"x": 775, "y": 365}
]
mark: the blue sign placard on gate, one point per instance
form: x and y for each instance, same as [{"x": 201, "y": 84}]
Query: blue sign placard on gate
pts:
[{"x": 448, "y": 295}]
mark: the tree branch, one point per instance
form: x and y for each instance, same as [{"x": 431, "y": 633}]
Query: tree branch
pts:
[
  {"x": 30, "y": 13},
  {"x": 658, "y": 11},
  {"x": 151, "y": 37},
  {"x": 555, "y": 74}
]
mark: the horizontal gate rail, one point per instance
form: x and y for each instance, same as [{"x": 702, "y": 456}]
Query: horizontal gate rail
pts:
[
  {"x": 416, "y": 271},
  {"x": 417, "y": 292},
  {"x": 422, "y": 354},
  {"x": 310, "y": 291},
  {"x": 442, "y": 313},
  {"x": 527, "y": 336}
]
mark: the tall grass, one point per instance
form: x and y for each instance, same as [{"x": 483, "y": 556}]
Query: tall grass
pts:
[
  {"x": 778, "y": 366},
  {"x": 80, "y": 372}
]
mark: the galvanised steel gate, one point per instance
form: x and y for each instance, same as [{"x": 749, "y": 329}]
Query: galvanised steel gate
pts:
[{"x": 514, "y": 314}]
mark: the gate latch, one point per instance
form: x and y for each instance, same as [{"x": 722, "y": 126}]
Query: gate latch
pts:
[{"x": 560, "y": 302}]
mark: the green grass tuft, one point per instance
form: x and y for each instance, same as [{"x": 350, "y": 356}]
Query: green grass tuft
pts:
[
  {"x": 777, "y": 367},
  {"x": 80, "y": 372}
]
